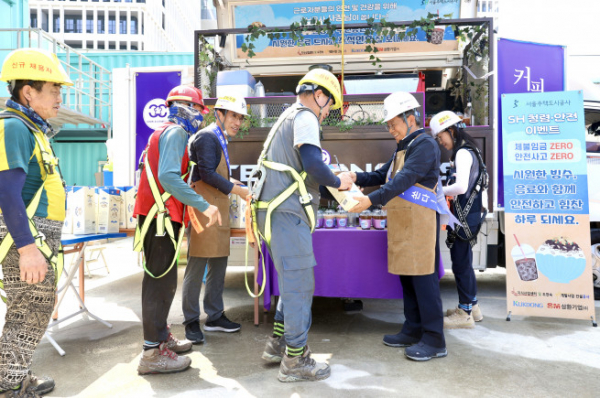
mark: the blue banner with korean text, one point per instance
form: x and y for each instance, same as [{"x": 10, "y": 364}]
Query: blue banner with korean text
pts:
[
  {"x": 525, "y": 67},
  {"x": 547, "y": 230}
]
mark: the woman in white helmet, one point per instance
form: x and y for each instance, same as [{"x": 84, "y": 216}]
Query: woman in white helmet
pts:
[
  {"x": 408, "y": 182},
  {"x": 466, "y": 183},
  {"x": 210, "y": 247}
]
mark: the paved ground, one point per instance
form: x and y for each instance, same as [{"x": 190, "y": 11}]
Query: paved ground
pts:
[{"x": 533, "y": 357}]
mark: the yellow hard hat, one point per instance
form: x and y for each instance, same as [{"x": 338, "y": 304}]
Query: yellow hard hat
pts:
[
  {"x": 326, "y": 80},
  {"x": 34, "y": 64}
]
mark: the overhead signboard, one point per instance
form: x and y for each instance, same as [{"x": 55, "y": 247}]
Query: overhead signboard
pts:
[{"x": 273, "y": 14}]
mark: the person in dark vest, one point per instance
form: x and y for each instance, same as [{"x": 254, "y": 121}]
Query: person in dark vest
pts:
[
  {"x": 408, "y": 190},
  {"x": 210, "y": 247},
  {"x": 466, "y": 183},
  {"x": 160, "y": 208},
  {"x": 32, "y": 202}
]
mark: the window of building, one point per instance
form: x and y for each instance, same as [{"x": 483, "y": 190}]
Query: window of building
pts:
[
  {"x": 163, "y": 21},
  {"x": 73, "y": 24},
  {"x": 100, "y": 25},
  {"x": 163, "y": 3},
  {"x": 45, "y": 22},
  {"x": 134, "y": 48},
  {"x": 101, "y": 45},
  {"x": 112, "y": 26},
  {"x": 111, "y": 45},
  {"x": 56, "y": 24},
  {"x": 122, "y": 46},
  {"x": 140, "y": 1},
  {"x": 134, "y": 26},
  {"x": 89, "y": 24},
  {"x": 123, "y": 25},
  {"x": 33, "y": 20}
]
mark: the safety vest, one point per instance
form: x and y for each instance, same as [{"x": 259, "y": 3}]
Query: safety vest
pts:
[
  {"x": 465, "y": 204},
  {"x": 50, "y": 164},
  {"x": 152, "y": 200},
  {"x": 256, "y": 204}
]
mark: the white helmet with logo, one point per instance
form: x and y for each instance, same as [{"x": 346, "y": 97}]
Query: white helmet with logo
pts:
[
  {"x": 230, "y": 103},
  {"x": 442, "y": 121},
  {"x": 397, "y": 103}
]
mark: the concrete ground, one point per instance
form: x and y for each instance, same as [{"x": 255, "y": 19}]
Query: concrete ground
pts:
[{"x": 532, "y": 357}]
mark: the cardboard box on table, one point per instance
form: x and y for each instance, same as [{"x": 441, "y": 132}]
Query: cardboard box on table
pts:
[
  {"x": 130, "y": 195},
  {"x": 109, "y": 207},
  {"x": 126, "y": 219},
  {"x": 237, "y": 212},
  {"x": 68, "y": 222},
  {"x": 83, "y": 210}
]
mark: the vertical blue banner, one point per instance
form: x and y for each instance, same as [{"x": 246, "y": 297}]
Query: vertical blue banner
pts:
[
  {"x": 525, "y": 67},
  {"x": 548, "y": 251},
  {"x": 151, "y": 90}
]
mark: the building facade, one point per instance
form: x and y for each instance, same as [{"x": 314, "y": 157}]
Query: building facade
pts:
[{"x": 132, "y": 25}]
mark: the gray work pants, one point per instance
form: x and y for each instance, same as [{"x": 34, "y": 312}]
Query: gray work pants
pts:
[
  {"x": 192, "y": 285},
  {"x": 292, "y": 253}
]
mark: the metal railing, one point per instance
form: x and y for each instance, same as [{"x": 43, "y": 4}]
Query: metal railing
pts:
[{"x": 91, "y": 94}]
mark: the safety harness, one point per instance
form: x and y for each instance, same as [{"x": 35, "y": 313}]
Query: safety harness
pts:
[
  {"x": 462, "y": 212},
  {"x": 256, "y": 204},
  {"x": 164, "y": 224},
  {"x": 50, "y": 163}
]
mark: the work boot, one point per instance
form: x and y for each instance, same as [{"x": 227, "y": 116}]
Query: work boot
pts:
[
  {"x": 26, "y": 390},
  {"x": 459, "y": 320},
  {"x": 274, "y": 349},
  {"x": 476, "y": 312},
  {"x": 177, "y": 346},
  {"x": 193, "y": 333},
  {"x": 41, "y": 385},
  {"x": 162, "y": 360},
  {"x": 302, "y": 368}
]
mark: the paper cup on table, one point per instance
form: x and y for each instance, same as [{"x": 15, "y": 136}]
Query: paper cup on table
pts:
[{"x": 524, "y": 259}]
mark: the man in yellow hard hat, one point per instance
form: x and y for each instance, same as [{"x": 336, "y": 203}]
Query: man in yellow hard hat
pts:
[
  {"x": 286, "y": 198},
  {"x": 32, "y": 202}
]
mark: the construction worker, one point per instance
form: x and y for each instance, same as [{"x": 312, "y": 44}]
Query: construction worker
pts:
[
  {"x": 408, "y": 182},
  {"x": 211, "y": 179},
  {"x": 160, "y": 207},
  {"x": 290, "y": 170},
  {"x": 466, "y": 183},
  {"x": 32, "y": 200}
]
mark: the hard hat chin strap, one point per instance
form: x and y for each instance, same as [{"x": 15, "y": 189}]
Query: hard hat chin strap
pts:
[
  {"x": 320, "y": 107},
  {"x": 222, "y": 123}
]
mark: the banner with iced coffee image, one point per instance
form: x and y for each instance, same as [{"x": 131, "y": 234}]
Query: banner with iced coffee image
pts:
[{"x": 547, "y": 228}]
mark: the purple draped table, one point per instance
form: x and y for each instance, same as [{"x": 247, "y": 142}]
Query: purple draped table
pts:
[{"x": 351, "y": 263}]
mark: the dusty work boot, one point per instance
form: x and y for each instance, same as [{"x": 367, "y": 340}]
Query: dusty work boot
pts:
[
  {"x": 274, "y": 349},
  {"x": 476, "y": 312},
  {"x": 162, "y": 360},
  {"x": 178, "y": 346},
  {"x": 459, "y": 320},
  {"x": 25, "y": 390},
  {"x": 302, "y": 368},
  {"x": 42, "y": 385}
]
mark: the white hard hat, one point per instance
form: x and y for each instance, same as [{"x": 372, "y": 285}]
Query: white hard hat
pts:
[
  {"x": 442, "y": 121},
  {"x": 398, "y": 103},
  {"x": 230, "y": 103}
]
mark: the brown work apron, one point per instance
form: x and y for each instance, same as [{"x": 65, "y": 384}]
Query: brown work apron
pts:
[
  {"x": 212, "y": 241},
  {"x": 411, "y": 233}
]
